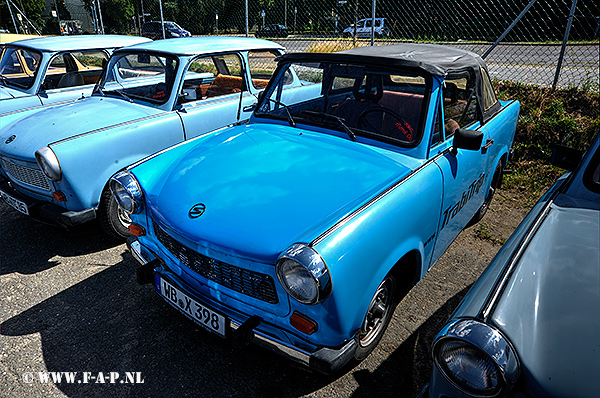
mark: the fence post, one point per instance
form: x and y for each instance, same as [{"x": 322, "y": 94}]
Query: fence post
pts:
[
  {"x": 512, "y": 25},
  {"x": 373, "y": 5},
  {"x": 162, "y": 21},
  {"x": 564, "y": 44},
  {"x": 12, "y": 16},
  {"x": 100, "y": 15},
  {"x": 26, "y": 19},
  {"x": 247, "y": 30}
]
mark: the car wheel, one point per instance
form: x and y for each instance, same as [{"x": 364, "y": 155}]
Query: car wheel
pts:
[
  {"x": 114, "y": 220},
  {"x": 377, "y": 319},
  {"x": 496, "y": 182}
]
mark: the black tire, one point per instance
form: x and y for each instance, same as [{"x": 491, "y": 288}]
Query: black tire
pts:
[
  {"x": 377, "y": 318},
  {"x": 496, "y": 183},
  {"x": 113, "y": 219}
]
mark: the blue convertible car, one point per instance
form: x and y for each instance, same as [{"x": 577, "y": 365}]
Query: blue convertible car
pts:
[
  {"x": 48, "y": 70},
  {"x": 56, "y": 161},
  {"x": 301, "y": 230}
]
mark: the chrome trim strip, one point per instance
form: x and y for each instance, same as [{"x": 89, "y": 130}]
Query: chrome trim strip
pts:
[
  {"x": 111, "y": 126},
  {"x": 492, "y": 300},
  {"x": 38, "y": 106},
  {"x": 380, "y": 195},
  {"x": 277, "y": 346}
]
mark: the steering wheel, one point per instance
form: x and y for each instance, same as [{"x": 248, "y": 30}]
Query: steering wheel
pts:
[{"x": 402, "y": 129}]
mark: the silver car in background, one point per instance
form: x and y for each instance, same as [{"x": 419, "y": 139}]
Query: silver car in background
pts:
[{"x": 530, "y": 325}]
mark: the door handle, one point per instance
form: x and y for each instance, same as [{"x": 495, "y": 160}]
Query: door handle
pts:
[{"x": 488, "y": 144}]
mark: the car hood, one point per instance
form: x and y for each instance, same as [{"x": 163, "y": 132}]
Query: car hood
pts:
[
  {"x": 8, "y": 93},
  {"x": 264, "y": 186},
  {"x": 50, "y": 124},
  {"x": 550, "y": 309}
]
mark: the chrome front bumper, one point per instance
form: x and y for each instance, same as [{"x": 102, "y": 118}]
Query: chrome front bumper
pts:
[{"x": 324, "y": 360}]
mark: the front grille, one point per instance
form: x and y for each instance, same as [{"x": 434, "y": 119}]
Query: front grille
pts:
[
  {"x": 250, "y": 283},
  {"x": 25, "y": 175}
]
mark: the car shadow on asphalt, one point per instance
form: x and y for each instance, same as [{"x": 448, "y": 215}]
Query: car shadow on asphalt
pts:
[
  {"x": 28, "y": 246},
  {"x": 108, "y": 323}
]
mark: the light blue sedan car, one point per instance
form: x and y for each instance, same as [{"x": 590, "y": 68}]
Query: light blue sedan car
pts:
[
  {"x": 529, "y": 326},
  {"x": 48, "y": 70},
  {"x": 56, "y": 161},
  {"x": 301, "y": 230}
]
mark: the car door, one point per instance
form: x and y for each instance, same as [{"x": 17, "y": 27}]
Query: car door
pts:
[
  {"x": 216, "y": 89},
  {"x": 211, "y": 91},
  {"x": 71, "y": 75},
  {"x": 465, "y": 172}
]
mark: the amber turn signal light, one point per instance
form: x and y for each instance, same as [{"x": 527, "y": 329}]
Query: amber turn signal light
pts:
[
  {"x": 136, "y": 230},
  {"x": 303, "y": 323},
  {"x": 59, "y": 196}
]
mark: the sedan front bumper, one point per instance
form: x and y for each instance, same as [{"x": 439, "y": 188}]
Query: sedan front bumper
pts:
[
  {"x": 48, "y": 212},
  {"x": 322, "y": 359}
]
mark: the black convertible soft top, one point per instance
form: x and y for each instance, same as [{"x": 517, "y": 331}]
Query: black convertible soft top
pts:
[{"x": 432, "y": 58}]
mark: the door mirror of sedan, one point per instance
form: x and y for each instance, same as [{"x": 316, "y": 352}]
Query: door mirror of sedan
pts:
[
  {"x": 565, "y": 157},
  {"x": 466, "y": 139}
]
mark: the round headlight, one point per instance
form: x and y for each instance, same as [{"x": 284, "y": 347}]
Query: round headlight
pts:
[
  {"x": 469, "y": 367},
  {"x": 48, "y": 162},
  {"x": 127, "y": 192},
  {"x": 476, "y": 358},
  {"x": 304, "y": 274}
]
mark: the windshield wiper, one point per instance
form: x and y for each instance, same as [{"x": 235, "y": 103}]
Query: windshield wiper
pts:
[
  {"x": 329, "y": 116},
  {"x": 287, "y": 110}
]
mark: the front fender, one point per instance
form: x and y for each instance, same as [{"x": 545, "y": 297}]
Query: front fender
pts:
[
  {"x": 362, "y": 251},
  {"x": 89, "y": 160}
]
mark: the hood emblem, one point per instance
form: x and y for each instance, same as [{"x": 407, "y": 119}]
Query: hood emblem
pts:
[
  {"x": 10, "y": 139},
  {"x": 197, "y": 210}
]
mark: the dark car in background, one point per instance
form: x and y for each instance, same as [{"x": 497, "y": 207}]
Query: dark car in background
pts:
[
  {"x": 272, "y": 31},
  {"x": 153, "y": 30},
  {"x": 529, "y": 326}
]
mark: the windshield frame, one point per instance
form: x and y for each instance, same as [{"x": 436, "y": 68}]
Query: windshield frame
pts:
[
  {"x": 101, "y": 89},
  {"x": 8, "y": 82},
  {"x": 272, "y": 94}
]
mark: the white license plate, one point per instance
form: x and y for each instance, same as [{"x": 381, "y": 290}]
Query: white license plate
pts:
[
  {"x": 15, "y": 203},
  {"x": 197, "y": 312}
]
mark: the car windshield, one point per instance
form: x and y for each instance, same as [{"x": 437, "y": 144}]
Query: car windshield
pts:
[
  {"x": 141, "y": 76},
  {"x": 19, "y": 66},
  {"x": 172, "y": 25},
  {"x": 356, "y": 100}
]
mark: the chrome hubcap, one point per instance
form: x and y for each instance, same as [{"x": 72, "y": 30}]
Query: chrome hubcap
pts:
[{"x": 376, "y": 315}]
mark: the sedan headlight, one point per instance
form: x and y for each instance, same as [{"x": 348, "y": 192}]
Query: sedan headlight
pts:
[
  {"x": 127, "y": 192},
  {"x": 304, "y": 274},
  {"x": 476, "y": 358},
  {"x": 48, "y": 162}
]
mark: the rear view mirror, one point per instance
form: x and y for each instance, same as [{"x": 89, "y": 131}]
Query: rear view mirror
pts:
[
  {"x": 467, "y": 139},
  {"x": 143, "y": 58},
  {"x": 565, "y": 157}
]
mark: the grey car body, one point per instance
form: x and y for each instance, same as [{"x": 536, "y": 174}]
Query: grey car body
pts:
[{"x": 535, "y": 311}]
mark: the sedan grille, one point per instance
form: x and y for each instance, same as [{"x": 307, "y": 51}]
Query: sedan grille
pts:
[
  {"x": 26, "y": 175},
  {"x": 250, "y": 283}
]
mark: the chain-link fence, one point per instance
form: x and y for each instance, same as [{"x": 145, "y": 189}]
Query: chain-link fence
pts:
[{"x": 521, "y": 40}]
